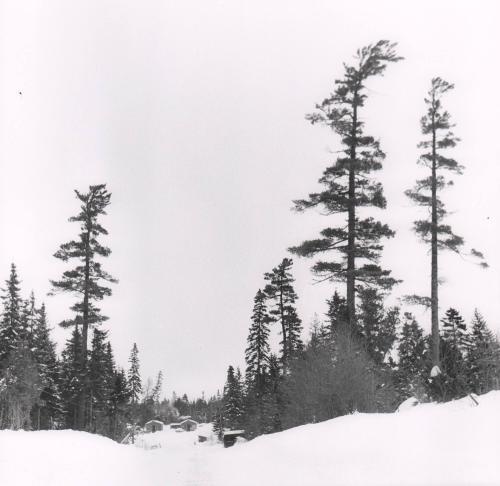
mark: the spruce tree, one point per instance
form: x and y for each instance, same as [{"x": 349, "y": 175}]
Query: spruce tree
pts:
[
  {"x": 118, "y": 410},
  {"x": 49, "y": 408},
  {"x": 273, "y": 397},
  {"x": 134, "y": 376},
  {"x": 349, "y": 184},
  {"x": 483, "y": 359},
  {"x": 376, "y": 325},
  {"x": 436, "y": 125},
  {"x": 412, "y": 353},
  {"x": 10, "y": 325},
  {"x": 258, "y": 350},
  {"x": 233, "y": 401},
  {"x": 71, "y": 378},
  {"x": 337, "y": 312},
  {"x": 87, "y": 280},
  {"x": 454, "y": 344},
  {"x": 281, "y": 292},
  {"x": 100, "y": 381},
  {"x": 218, "y": 422}
]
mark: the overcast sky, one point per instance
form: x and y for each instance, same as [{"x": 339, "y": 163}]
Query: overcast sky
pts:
[{"x": 193, "y": 113}]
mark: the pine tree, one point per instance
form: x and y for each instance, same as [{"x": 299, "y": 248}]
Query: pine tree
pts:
[
  {"x": 273, "y": 398},
  {"x": 412, "y": 358},
  {"x": 376, "y": 325},
  {"x": 349, "y": 185},
  {"x": 218, "y": 422},
  {"x": 258, "y": 350},
  {"x": 337, "y": 312},
  {"x": 71, "y": 378},
  {"x": 437, "y": 126},
  {"x": 280, "y": 290},
  {"x": 19, "y": 376},
  {"x": 29, "y": 318},
  {"x": 134, "y": 376},
  {"x": 86, "y": 279},
  {"x": 49, "y": 408},
  {"x": 10, "y": 325},
  {"x": 455, "y": 344},
  {"x": 100, "y": 382},
  {"x": 155, "y": 395},
  {"x": 483, "y": 359},
  {"x": 233, "y": 401},
  {"x": 20, "y": 390},
  {"x": 118, "y": 410}
]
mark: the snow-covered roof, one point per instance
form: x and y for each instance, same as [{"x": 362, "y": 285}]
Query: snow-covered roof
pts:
[
  {"x": 188, "y": 420},
  {"x": 234, "y": 432},
  {"x": 154, "y": 422}
]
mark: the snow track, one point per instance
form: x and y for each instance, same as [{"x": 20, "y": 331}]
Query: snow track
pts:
[{"x": 453, "y": 444}]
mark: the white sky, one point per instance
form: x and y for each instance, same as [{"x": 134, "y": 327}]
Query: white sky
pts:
[{"x": 193, "y": 113}]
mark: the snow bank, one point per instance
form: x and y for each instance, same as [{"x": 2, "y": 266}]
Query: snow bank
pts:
[
  {"x": 67, "y": 457},
  {"x": 433, "y": 445},
  {"x": 449, "y": 444}
]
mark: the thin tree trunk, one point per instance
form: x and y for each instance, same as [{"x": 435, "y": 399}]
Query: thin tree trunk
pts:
[
  {"x": 85, "y": 329},
  {"x": 434, "y": 256},
  {"x": 283, "y": 325},
  {"x": 351, "y": 226}
]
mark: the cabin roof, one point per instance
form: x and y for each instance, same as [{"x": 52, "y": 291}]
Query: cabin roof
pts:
[
  {"x": 188, "y": 420},
  {"x": 154, "y": 422},
  {"x": 234, "y": 432}
]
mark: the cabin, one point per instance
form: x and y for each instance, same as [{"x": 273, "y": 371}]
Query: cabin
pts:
[
  {"x": 187, "y": 424},
  {"x": 230, "y": 437},
  {"x": 153, "y": 426}
]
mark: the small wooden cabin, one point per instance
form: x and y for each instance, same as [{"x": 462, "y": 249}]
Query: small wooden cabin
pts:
[
  {"x": 188, "y": 425},
  {"x": 230, "y": 437},
  {"x": 153, "y": 426}
]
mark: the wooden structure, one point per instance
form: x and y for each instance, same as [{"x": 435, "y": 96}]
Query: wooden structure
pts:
[
  {"x": 153, "y": 426},
  {"x": 230, "y": 437},
  {"x": 188, "y": 425}
]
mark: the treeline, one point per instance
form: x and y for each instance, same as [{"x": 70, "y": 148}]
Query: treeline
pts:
[
  {"x": 364, "y": 356},
  {"x": 372, "y": 367},
  {"x": 83, "y": 388},
  {"x": 39, "y": 390}
]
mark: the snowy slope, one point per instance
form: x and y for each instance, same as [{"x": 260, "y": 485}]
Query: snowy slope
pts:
[{"x": 451, "y": 444}]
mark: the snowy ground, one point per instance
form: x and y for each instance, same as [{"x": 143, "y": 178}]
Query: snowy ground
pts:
[{"x": 452, "y": 444}]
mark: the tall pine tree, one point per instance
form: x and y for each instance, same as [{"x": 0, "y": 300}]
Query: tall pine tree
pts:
[
  {"x": 87, "y": 280},
  {"x": 349, "y": 184},
  {"x": 258, "y": 350},
  {"x": 281, "y": 292},
  {"x": 437, "y": 127}
]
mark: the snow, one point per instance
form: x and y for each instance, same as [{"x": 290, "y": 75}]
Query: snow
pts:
[
  {"x": 451, "y": 444},
  {"x": 407, "y": 404},
  {"x": 436, "y": 371}
]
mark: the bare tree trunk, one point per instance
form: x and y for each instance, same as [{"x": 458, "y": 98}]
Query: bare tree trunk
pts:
[
  {"x": 351, "y": 226},
  {"x": 434, "y": 256},
  {"x": 82, "y": 399},
  {"x": 283, "y": 325}
]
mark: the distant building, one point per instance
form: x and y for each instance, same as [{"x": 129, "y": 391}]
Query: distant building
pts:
[
  {"x": 153, "y": 426},
  {"x": 230, "y": 437},
  {"x": 188, "y": 424}
]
